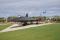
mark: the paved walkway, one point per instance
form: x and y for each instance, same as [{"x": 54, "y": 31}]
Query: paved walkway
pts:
[{"x": 14, "y": 27}]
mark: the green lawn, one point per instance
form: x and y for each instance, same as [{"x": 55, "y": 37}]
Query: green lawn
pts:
[
  {"x": 5, "y": 26},
  {"x": 48, "y": 32}
]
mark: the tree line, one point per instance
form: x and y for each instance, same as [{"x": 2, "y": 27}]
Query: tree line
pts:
[{"x": 53, "y": 19}]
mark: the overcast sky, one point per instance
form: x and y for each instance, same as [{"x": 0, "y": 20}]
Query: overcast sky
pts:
[{"x": 33, "y": 7}]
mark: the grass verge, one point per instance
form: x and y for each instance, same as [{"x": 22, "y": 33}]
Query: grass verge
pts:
[
  {"x": 3, "y": 26},
  {"x": 47, "y": 32}
]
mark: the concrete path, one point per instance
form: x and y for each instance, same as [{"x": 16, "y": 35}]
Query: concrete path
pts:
[{"x": 13, "y": 27}]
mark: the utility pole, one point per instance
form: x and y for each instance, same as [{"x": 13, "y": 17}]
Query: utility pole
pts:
[{"x": 44, "y": 12}]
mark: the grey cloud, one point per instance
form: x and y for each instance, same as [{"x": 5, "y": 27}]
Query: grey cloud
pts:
[{"x": 35, "y": 6}]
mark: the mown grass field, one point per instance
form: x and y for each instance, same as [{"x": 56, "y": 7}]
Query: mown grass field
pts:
[
  {"x": 48, "y": 32},
  {"x": 3, "y": 26}
]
